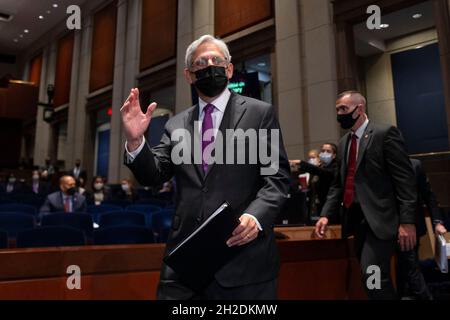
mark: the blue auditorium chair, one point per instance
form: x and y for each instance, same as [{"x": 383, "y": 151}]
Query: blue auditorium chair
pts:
[
  {"x": 50, "y": 236},
  {"x": 96, "y": 210},
  {"x": 161, "y": 223},
  {"x": 18, "y": 207},
  {"x": 117, "y": 202},
  {"x": 146, "y": 209},
  {"x": 14, "y": 222},
  {"x": 123, "y": 235},
  {"x": 154, "y": 202},
  {"x": 109, "y": 219},
  {"x": 76, "y": 220}
]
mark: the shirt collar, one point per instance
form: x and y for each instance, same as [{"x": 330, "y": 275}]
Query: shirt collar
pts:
[
  {"x": 220, "y": 103},
  {"x": 359, "y": 132}
]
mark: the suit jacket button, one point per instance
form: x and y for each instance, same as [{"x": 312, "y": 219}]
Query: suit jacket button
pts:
[{"x": 205, "y": 189}]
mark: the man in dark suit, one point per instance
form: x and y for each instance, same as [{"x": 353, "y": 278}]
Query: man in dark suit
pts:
[
  {"x": 409, "y": 275},
  {"x": 78, "y": 172},
  {"x": 65, "y": 200},
  {"x": 376, "y": 185},
  {"x": 203, "y": 186}
]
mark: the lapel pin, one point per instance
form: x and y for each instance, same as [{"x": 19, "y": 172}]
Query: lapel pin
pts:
[{"x": 366, "y": 136}]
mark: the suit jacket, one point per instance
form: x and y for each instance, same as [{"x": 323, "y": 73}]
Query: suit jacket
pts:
[
  {"x": 326, "y": 176},
  {"x": 425, "y": 197},
  {"x": 384, "y": 181},
  {"x": 54, "y": 203},
  {"x": 82, "y": 174},
  {"x": 197, "y": 196}
]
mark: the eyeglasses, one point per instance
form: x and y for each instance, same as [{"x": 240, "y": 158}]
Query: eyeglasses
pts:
[{"x": 203, "y": 62}]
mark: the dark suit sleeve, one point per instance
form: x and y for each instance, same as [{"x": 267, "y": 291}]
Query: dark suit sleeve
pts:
[
  {"x": 402, "y": 175},
  {"x": 323, "y": 173},
  {"x": 273, "y": 193},
  {"x": 152, "y": 167},
  {"x": 335, "y": 195},
  {"x": 46, "y": 207},
  {"x": 427, "y": 194},
  {"x": 83, "y": 207}
]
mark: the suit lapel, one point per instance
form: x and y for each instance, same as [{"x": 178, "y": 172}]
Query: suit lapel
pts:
[
  {"x": 343, "y": 152},
  {"x": 365, "y": 139},
  {"x": 233, "y": 114}
]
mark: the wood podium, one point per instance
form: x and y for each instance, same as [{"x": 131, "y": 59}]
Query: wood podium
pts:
[{"x": 310, "y": 269}]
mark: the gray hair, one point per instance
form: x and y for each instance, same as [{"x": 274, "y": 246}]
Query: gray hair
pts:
[{"x": 203, "y": 39}]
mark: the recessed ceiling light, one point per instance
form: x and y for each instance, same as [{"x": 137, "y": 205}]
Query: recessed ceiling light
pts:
[
  {"x": 384, "y": 25},
  {"x": 21, "y": 35},
  {"x": 26, "y": 30},
  {"x": 41, "y": 17},
  {"x": 15, "y": 40},
  {"x": 55, "y": 5},
  {"x": 417, "y": 15},
  {"x": 48, "y": 11}
]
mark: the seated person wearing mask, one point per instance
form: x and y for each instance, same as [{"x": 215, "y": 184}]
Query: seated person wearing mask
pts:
[
  {"x": 66, "y": 200},
  {"x": 99, "y": 193},
  {"x": 11, "y": 186},
  {"x": 127, "y": 191}
]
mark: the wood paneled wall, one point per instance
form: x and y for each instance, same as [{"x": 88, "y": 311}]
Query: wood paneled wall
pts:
[
  {"x": 158, "y": 32},
  {"x": 63, "y": 69},
  {"x": 103, "y": 47},
  {"x": 231, "y": 16},
  {"x": 35, "y": 69}
]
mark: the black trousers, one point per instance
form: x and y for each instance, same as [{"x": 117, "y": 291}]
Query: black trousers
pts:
[
  {"x": 173, "y": 290},
  {"x": 374, "y": 256},
  {"x": 410, "y": 280}
]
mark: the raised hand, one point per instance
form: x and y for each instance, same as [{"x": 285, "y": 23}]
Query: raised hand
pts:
[{"x": 135, "y": 122}]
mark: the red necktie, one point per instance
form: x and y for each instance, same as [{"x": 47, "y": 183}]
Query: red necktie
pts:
[
  {"x": 67, "y": 204},
  {"x": 350, "y": 179}
]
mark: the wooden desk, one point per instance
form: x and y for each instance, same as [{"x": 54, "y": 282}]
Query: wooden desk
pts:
[{"x": 310, "y": 269}]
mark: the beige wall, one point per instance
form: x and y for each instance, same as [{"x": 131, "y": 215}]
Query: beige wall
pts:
[
  {"x": 320, "y": 80},
  {"x": 378, "y": 76}
]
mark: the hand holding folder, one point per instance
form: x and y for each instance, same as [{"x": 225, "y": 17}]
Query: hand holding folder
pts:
[
  {"x": 440, "y": 253},
  {"x": 198, "y": 257}
]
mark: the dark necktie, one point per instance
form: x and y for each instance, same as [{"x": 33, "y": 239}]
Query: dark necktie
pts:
[
  {"x": 351, "y": 168},
  {"x": 206, "y": 125},
  {"x": 67, "y": 204}
]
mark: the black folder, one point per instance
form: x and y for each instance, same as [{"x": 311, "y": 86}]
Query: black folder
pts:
[{"x": 198, "y": 257}]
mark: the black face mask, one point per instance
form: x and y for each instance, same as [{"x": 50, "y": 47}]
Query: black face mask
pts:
[
  {"x": 346, "y": 120},
  {"x": 211, "y": 81},
  {"x": 71, "y": 191}
]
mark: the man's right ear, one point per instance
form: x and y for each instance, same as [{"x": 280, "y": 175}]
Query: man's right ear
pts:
[{"x": 188, "y": 76}]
